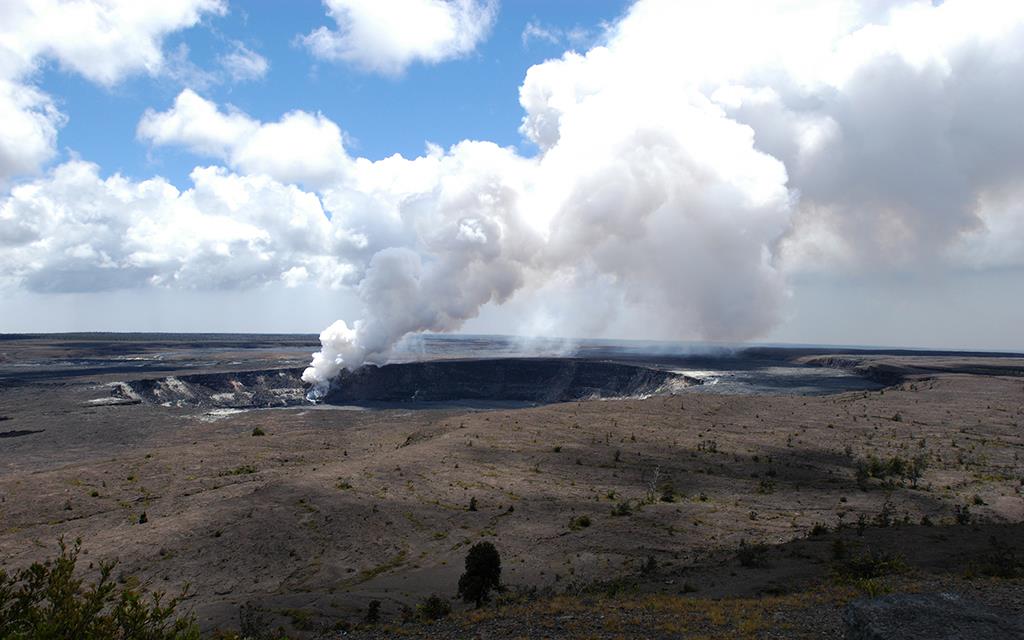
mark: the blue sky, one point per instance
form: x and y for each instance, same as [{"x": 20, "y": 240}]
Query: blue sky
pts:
[{"x": 474, "y": 97}]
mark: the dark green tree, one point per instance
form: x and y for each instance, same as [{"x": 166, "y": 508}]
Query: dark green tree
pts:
[{"x": 483, "y": 573}]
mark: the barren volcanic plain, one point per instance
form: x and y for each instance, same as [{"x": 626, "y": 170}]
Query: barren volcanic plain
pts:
[{"x": 626, "y": 498}]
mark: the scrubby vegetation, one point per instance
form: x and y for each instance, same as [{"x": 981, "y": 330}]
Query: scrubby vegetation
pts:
[
  {"x": 579, "y": 522},
  {"x": 895, "y": 468},
  {"x": 433, "y": 608},
  {"x": 47, "y": 601},
  {"x": 752, "y": 555}
]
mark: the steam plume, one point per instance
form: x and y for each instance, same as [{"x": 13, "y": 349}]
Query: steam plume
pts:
[{"x": 693, "y": 159}]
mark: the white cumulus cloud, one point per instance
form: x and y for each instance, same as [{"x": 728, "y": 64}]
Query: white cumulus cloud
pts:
[
  {"x": 101, "y": 40},
  {"x": 74, "y": 230},
  {"x": 386, "y": 36},
  {"x": 300, "y": 147}
]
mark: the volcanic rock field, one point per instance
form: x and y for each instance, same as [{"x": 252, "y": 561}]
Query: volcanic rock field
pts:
[{"x": 583, "y": 472}]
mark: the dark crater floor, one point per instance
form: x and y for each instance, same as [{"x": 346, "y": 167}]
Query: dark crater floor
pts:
[{"x": 529, "y": 380}]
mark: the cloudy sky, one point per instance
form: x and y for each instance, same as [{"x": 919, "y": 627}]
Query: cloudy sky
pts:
[{"x": 846, "y": 172}]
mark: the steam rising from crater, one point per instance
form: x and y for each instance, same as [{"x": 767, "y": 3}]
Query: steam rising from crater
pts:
[{"x": 688, "y": 163}]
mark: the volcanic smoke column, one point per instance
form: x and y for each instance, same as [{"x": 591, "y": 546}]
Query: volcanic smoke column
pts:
[{"x": 339, "y": 350}]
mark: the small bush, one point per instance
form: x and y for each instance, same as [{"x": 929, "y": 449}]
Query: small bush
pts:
[
  {"x": 916, "y": 469},
  {"x": 752, "y": 555},
  {"x": 254, "y": 625},
  {"x": 373, "y": 612},
  {"x": 1001, "y": 561},
  {"x": 472, "y": 504},
  {"x": 869, "y": 566},
  {"x": 256, "y": 432},
  {"x": 894, "y": 467},
  {"x": 838, "y": 549},
  {"x": 649, "y": 566},
  {"x": 884, "y": 516},
  {"x": 580, "y": 522},
  {"x": 668, "y": 492},
  {"x": 819, "y": 529},
  {"x": 622, "y": 509},
  {"x": 47, "y": 601},
  {"x": 871, "y": 587},
  {"x": 483, "y": 573},
  {"x": 433, "y": 608},
  {"x": 242, "y": 470},
  {"x": 963, "y": 515}
]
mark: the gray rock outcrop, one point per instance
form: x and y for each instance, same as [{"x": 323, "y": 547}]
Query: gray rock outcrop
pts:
[{"x": 935, "y": 616}]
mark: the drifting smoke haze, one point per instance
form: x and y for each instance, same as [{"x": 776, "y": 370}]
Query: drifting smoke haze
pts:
[{"x": 687, "y": 168}]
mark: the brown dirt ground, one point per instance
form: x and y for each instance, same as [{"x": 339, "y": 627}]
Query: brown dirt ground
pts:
[{"x": 333, "y": 508}]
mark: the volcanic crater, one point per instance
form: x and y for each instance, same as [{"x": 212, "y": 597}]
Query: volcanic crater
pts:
[{"x": 524, "y": 380}]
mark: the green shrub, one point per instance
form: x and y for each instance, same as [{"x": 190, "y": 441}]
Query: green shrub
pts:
[
  {"x": 1001, "y": 561},
  {"x": 258, "y": 432},
  {"x": 433, "y": 608},
  {"x": 483, "y": 573},
  {"x": 649, "y": 566},
  {"x": 819, "y": 529},
  {"x": 47, "y": 602},
  {"x": 838, "y": 549},
  {"x": 579, "y": 522},
  {"x": 963, "y": 514},
  {"x": 752, "y": 555},
  {"x": 668, "y": 492},
  {"x": 242, "y": 470},
  {"x": 373, "y": 612},
  {"x": 868, "y": 566},
  {"x": 622, "y": 509}
]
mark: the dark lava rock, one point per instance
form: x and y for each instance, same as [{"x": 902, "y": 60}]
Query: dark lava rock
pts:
[
  {"x": 19, "y": 433},
  {"x": 532, "y": 380},
  {"x": 935, "y": 616},
  {"x": 539, "y": 380}
]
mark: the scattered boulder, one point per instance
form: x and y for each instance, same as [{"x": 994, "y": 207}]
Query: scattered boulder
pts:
[{"x": 936, "y": 616}]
